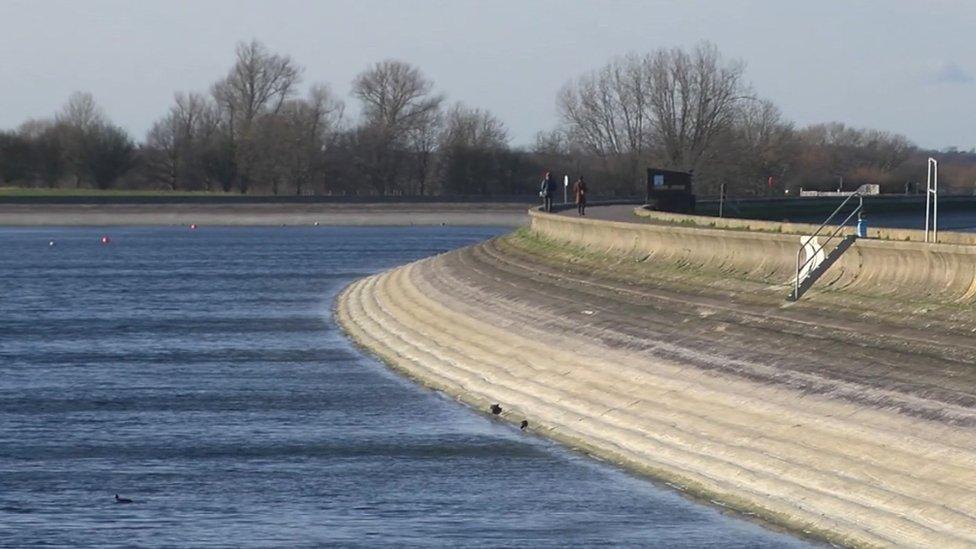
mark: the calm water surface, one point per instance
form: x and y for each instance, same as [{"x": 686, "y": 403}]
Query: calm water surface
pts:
[
  {"x": 949, "y": 220},
  {"x": 200, "y": 373}
]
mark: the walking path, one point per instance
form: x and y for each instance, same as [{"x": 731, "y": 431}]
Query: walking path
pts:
[{"x": 616, "y": 212}]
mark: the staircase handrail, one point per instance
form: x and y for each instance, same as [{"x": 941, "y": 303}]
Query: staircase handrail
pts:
[{"x": 860, "y": 197}]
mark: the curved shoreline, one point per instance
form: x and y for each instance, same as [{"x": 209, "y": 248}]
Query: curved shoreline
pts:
[{"x": 699, "y": 397}]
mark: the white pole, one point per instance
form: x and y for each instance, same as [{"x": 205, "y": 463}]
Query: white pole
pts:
[
  {"x": 935, "y": 203},
  {"x": 928, "y": 195},
  {"x": 565, "y": 189},
  {"x": 721, "y": 200},
  {"x": 932, "y": 199}
]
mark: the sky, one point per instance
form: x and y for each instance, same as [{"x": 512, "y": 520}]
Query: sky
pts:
[{"x": 896, "y": 65}]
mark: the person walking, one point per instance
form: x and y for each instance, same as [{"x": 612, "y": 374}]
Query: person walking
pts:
[
  {"x": 545, "y": 191},
  {"x": 579, "y": 192}
]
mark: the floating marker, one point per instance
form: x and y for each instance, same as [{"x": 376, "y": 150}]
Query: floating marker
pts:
[
  {"x": 193, "y": 226},
  {"x": 51, "y": 243},
  {"x": 316, "y": 223},
  {"x": 106, "y": 240}
]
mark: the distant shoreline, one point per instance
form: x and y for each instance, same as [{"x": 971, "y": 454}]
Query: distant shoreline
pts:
[{"x": 511, "y": 214}]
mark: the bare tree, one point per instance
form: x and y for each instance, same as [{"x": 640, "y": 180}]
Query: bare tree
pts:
[
  {"x": 397, "y": 101},
  {"x": 766, "y": 143},
  {"x": 422, "y": 141},
  {"x": 312, "y": 125},
  {"x": 606, "y": 113},
  {"x": 81, "y": 111},
  {"x": 474, "y": 128},
  {"x": 294, "y": 140},
  {"x": 886, "y": 150},
  {"x": 606, "y": 109},
  {"x": 694, "y": 96},
  {"x": 77, "y": 121},
  {"x": 258, "y": 84},
  {"x": 551, "y": 143},
  {"x": 94, "y": 148},
  {"x": 162, "y": 151},
  {"x": 833, "y": 150},
  {"x": 14, "y": 157},
  {"x": 110, "y": 155},
  {"x": 472, "y": 144},
  {"x": 174, "y": 142},
  {"x": 47, "y": 156}
]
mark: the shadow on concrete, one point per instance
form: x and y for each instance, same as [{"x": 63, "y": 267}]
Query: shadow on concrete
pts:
[{"x": 829, "y": 260}]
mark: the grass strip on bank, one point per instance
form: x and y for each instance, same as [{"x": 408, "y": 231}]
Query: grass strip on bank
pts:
[
  {"x": 641, "y": 269},
  {"x": 36, "y": 192}
]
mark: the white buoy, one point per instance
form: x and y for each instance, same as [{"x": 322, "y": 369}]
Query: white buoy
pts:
[{"x": 51, "y": 243}]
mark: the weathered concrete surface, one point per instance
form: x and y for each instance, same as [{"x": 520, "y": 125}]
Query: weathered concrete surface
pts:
[
  {"x": 849, "y": 418},
  {"x": 893, "y": 269},
  {"x": 782, "y": 227}
]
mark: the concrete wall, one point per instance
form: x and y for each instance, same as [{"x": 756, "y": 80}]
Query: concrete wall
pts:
[
  {"x": 907, "y": 235},
  {"x": 782, "y": 207},
  {"x": 766, "y": 252}
]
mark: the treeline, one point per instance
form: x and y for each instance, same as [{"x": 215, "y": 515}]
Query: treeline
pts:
[
  {"x": 257, "y": 131},
  {"x": 254, "y": 132},
  {"x": 693, "y": 110}
]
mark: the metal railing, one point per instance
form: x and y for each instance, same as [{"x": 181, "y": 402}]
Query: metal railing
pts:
[{"x": 810, "y": 239}]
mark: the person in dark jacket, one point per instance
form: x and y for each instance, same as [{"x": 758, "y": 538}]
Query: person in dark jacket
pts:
[
  {"x": 545, "y": 191},
  {"x": 579, "y": 192}
]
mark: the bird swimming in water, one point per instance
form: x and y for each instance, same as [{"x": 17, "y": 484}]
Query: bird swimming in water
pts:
[
  {"x": 496, "y": 409},
  {"x": 524, "y": 424},
  {"x": 122, "y": 500}
]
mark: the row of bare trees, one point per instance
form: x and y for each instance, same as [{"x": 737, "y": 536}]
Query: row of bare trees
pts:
[
  {"x": 693, "y": 110},
  {"x": 256, "y": 131},
  {"x": 78, "y": 147},
  {"x": 253, "y": 132},
  {"x": 670, "y": 103}
]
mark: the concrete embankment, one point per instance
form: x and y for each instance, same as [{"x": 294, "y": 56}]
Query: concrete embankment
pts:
[
  {"x": 846, "y": 423},
  {"x": 820, "y": 207},
  {"x": 891, "y": 263}
]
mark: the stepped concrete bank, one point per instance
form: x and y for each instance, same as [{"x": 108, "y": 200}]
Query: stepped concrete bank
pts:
[{"x": 849, "y": 415}]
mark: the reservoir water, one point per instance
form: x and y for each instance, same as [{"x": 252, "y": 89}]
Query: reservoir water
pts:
[
  {"x": 963, "y": 221},
  {"x": 200, "y": 374}
]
